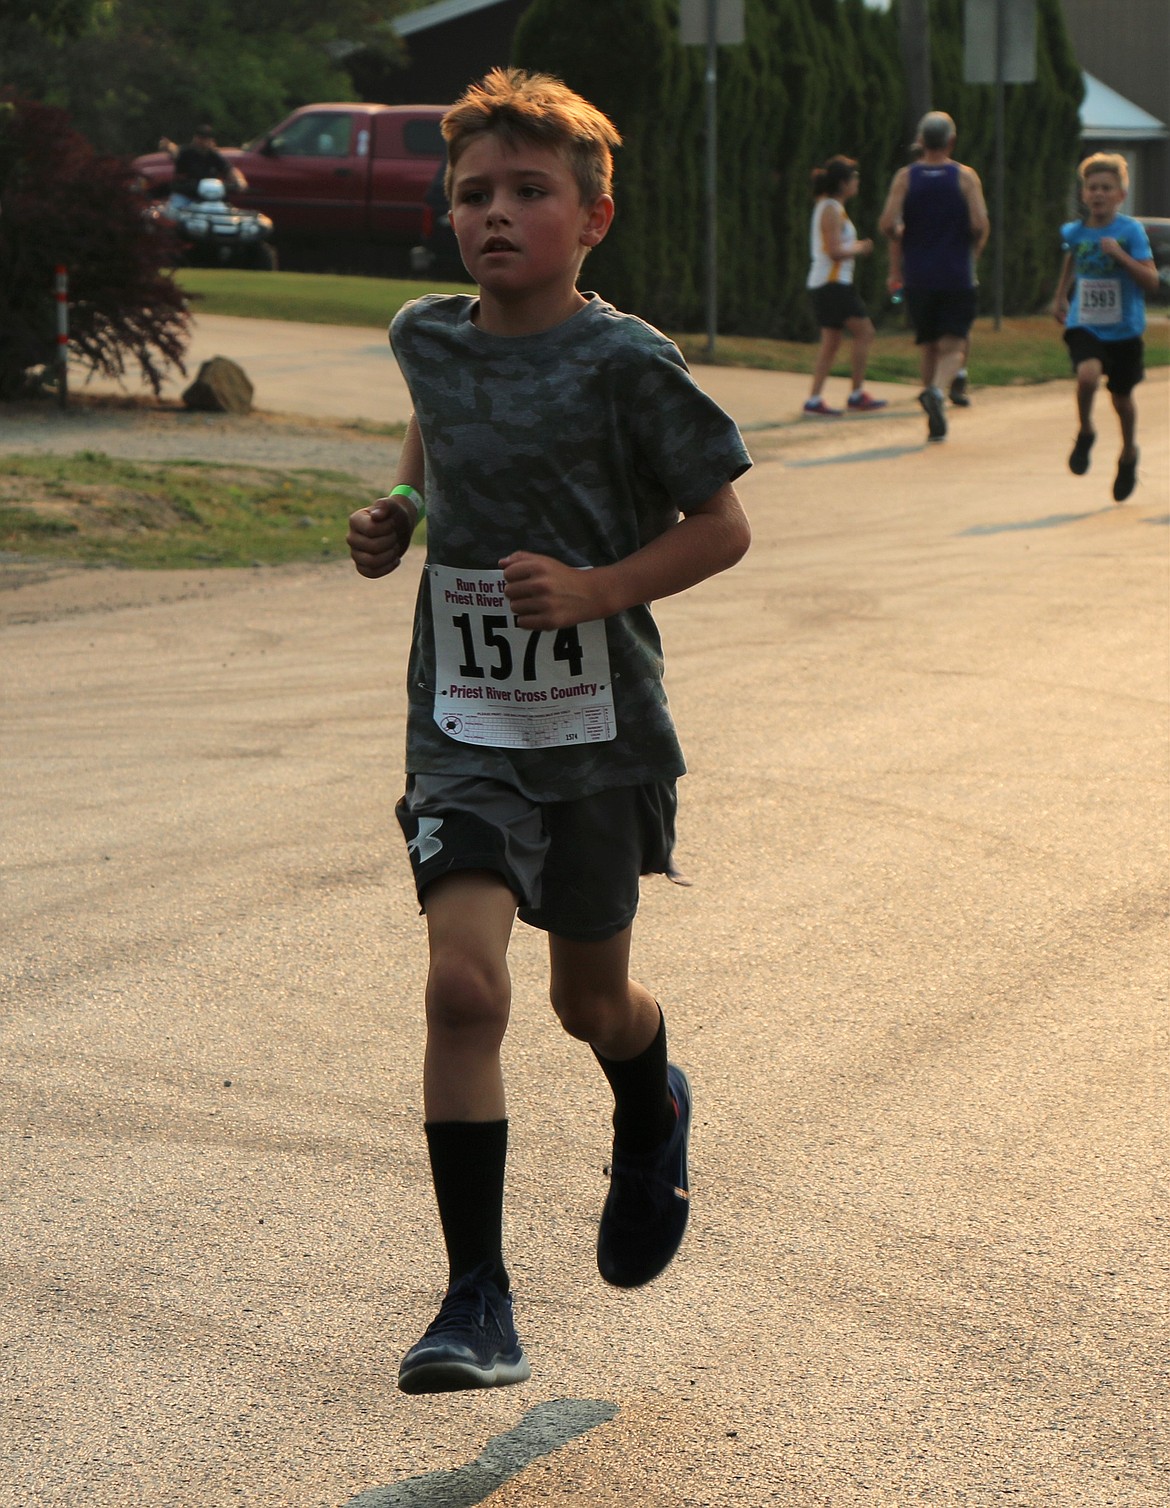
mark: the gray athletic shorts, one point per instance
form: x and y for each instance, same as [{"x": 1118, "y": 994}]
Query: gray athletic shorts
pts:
[{"x": 573, "y": 866}]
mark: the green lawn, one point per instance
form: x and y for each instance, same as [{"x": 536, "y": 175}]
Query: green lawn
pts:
[
  {"x": 1027, "y": 349},
  {"x": 94, "y": 509},
  {"x": 315, "y": 298}
]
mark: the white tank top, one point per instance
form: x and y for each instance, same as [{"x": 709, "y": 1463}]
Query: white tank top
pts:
[{"x": 824, "y": 269}]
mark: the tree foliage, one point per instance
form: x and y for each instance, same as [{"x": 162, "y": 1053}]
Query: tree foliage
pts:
[
  {"x": 813, "y": 78},
  {"x": 130, "y": 71},
  {"x": 61, "y": 202}
]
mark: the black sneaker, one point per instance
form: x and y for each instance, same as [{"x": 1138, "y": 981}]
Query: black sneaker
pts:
[
  {"x": 959, "y": 395},
  {"x": 936, "y": 420},
  {"x": 471, "y": 1343},
  {"x": 1078, "y": 461},
  {"x": 1126, "y": 479},
  {"x": 645, "y": 1212}
]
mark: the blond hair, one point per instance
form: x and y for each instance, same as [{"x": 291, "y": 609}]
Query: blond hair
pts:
[
  {"x": 1105, "y": 162},
  {"x": 541, "y": 110}
]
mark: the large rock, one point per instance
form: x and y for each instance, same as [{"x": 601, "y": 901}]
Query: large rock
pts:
[{"x": 221, "y": 387}]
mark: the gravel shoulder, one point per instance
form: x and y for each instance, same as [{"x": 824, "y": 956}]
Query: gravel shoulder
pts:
[{"x": 168, "y": 432}]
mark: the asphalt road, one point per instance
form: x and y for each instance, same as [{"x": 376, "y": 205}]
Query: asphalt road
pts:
[{"x": 919, "y": 982}]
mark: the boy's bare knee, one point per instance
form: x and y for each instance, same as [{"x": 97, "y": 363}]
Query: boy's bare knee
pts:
[
  {"x": 584, "y": 1013},
  {"x": 465, "y": 995}
]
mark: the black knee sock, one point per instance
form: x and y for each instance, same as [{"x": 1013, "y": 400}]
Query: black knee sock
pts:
[
  {"x": 467, "y": 1165},
  {"x": 643, "y": 1111}
]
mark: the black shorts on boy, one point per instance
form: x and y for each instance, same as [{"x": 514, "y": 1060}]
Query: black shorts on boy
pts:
[
  {"x": 574, "y": 866},
  {"x": 1122, "y": 361}
]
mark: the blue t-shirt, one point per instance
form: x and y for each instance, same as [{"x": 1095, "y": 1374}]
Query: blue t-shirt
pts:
[{"x": 1106, "y": 300}]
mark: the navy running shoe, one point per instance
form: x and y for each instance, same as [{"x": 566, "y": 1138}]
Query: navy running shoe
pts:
[
  {"x": 1079, "y": 458},
  {"x": 1126, "y": 479},
  {"x": 645, "y": 1212},
  {"x": 959, "y": 395},
  {"x": 471, "y": 1343}
]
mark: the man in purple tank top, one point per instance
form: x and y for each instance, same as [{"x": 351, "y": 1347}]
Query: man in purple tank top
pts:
[{"x": 936, "y": 213}]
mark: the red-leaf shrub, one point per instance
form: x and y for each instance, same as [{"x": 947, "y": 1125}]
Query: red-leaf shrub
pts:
[{"x": 60, "y": 202}]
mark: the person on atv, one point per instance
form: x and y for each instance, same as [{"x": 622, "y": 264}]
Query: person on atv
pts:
[{"x": 200, "y": 159}]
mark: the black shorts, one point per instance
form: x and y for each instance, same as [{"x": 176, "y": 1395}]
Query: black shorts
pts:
[
  {"x": 835, "y": 304},
  {"x": 935, "y": 312},
  {"x": 573, "y": 866},
  {"x": 1122, "y": 361}
]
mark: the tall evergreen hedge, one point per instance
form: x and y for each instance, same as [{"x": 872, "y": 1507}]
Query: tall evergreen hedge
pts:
[{"x": 814, "y": 77}]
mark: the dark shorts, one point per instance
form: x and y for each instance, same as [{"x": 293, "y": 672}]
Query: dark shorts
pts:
[
  {"x": 1122, "y": 361},
  {"x": 935, "y": 312},
  {"x": 835, "y": 304},
  {"x": 573, "y": 866}
]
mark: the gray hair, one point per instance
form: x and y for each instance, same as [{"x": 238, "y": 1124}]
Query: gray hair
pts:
[{"x": 936, "y": 130}]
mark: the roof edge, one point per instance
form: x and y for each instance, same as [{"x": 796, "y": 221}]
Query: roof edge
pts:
[{"x": 437, "y": 15}]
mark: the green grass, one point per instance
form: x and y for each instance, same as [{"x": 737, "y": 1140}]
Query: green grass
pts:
[
  {"x": 305, "y": 297},
  {"x": 1027, "y": 349},
  {"x": 93, "y": 509}
]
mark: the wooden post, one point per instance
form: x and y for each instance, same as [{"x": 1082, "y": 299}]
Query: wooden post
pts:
[{"x": 62, "y": 297}]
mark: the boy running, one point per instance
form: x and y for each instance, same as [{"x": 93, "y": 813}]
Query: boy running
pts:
[
  {"x": 1106, "y": 266},
  {"x": 572, "y": 473}
]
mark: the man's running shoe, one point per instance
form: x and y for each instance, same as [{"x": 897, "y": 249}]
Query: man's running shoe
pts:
[
  {"x": 863, "y": 403},
  {"x": 959, "y": 395},
  {"x": 471, "y": 1343},
  {"x": 1078, "y": 461},
  {"x": 1126, "y": 479},
  {"x": 936, "y": 421},
  {"x": 819, "y": 407},
  {"x": 645, "y": 1213}
]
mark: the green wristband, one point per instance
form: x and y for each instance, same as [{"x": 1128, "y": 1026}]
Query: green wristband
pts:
[{"x": 416, "y": 497}]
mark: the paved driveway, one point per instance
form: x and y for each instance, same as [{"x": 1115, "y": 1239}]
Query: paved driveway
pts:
[{"x": 920, "y": 983}]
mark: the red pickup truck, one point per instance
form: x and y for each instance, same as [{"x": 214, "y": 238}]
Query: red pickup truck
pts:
[{"x": 340, "y": 182}]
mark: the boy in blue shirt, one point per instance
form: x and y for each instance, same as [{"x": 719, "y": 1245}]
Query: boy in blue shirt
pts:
[
  {"x": 572, "y": 473},
  {"x": 1107, "y": 265}
]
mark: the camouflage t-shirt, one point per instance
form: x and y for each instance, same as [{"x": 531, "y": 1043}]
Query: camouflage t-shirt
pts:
[{"x": 583, "y": 443}]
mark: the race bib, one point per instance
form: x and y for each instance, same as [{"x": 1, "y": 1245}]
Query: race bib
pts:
[
  {"x": 509, "y": 687},
  {"x": 1100, "y": 301}
]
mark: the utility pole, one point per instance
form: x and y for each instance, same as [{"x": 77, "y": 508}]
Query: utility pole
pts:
[
  {"x": 914, "y": 39},
  {"x": 711, "y": 76},
  {"x": 711, "y": 24},
  {"x": 1001, "y": 25},
  {"x": 999, "y": 48}
]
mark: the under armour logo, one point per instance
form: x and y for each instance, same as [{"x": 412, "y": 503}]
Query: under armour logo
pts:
[{"x": 424, "y": 842}]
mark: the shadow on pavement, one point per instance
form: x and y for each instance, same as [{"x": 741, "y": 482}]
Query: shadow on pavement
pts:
[
  {"x": 542, "y": 1430},
  {"x": 1053, "y": 521},
  {"x": 889, "y": 453}
]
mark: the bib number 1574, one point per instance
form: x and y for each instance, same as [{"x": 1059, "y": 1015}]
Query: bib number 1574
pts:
[
  {"x": 511, "y": 687},
  {"x": 495, "y": 630}
]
